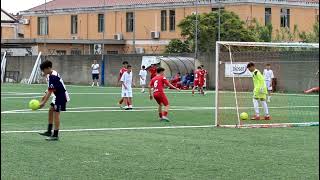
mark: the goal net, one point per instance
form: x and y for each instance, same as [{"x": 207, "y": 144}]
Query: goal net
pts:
[{"x": 294, "y": 86}]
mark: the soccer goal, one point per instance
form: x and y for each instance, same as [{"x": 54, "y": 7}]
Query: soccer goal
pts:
[
  {"x": 35, "y": 75},
  {"x": 295, "y": 69},
  {"x": 3, "y": 66}
]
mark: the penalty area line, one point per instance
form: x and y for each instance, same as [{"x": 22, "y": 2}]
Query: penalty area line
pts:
[
  {"x": 143, "y": 109},
  {"x": 114, "y": 129}
]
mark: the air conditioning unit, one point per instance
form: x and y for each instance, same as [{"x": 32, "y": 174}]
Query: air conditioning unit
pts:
[
  {"x": 74, "y": 37},
  {"x": 25, "y": 21},
  {"x": 155, "y": 34},
  {"x": 97, "y": 48},
  {"x": 140, "y": 50},
  {"x": 193, "y": 13},
  {"x": 118, "y": 36}
]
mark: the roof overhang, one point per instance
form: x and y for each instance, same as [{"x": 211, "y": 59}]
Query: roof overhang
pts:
[
  {"x": 170, "y": 5},
  {"x": 62, "y": 41}
]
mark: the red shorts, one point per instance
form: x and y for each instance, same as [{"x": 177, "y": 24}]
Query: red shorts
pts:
[
  {"x": 198, "y": 83},
  {"x": 161, "y": 98}
]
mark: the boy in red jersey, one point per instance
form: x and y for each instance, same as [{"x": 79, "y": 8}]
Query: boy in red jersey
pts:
[
  {"x": 199, "y": 80},
  {"x": 153, "y": 71},
  {"x": 122, "y": 70},
  {"x": 205, "y": 73},
  {"x": 157, "y": 84}
]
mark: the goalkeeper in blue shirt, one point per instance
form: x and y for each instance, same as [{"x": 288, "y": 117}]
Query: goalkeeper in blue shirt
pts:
[{"x": 259, "y": 92}]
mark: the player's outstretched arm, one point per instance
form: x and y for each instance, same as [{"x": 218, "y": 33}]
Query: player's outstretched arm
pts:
[
  {"x": 122, "y": 83},
  {"x": 45, "y": 99},
  {"x": 172, "y": 86}
]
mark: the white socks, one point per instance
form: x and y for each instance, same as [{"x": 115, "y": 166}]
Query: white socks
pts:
[
  {"x": 265, "y": 107},
  {"x": 256, "y": 107},
  {"x": 93, "y": 84}
]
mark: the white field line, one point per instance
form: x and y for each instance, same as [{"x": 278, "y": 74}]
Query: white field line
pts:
[
  {"x": 278, "y": 125},
  {"x": 138, "y": 93},
  {"x": 140, "y": 109},
  {"x": 220, "y": 91},
  {"x": 173, "y": 127},
  {"x": 11, "y": 95},
  {"x": 113, "y": 129}
]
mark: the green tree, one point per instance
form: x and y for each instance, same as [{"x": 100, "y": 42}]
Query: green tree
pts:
[
  {"x": 311, "y": 37},
  {"x": 232, "y": 29},
  {"x": 285, "y": 35},
  {"x": 177, "y": 46},
  {"x": 263, "y": 33}
]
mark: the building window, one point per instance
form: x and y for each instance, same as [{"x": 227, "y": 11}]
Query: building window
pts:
[
  {"x": 130, "y": 21},
  {"x": 43, "y": 26},
  {"x": 112, "y": 52},
  {"x": 61, "y": 52},
  {"x": 100, "y": 22},
  {"x": 172, "y": 17},
  {"x": 217, "y": 9},
  {"x": 75, "y": 52},
  {"x": 267, "y": 16},
  {"x": 285, "y": 18},
  {"x": 74, "y": 24},
  {"x": 163, "y": 20}
]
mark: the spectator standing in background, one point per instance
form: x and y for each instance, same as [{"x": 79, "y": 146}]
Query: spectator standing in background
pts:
[
  {"x": 143, "y": 78},
  {"x": 95, "y": 72},
  {"x": 268, "y": 76}
]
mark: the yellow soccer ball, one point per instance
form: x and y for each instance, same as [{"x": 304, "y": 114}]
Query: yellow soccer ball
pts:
[
  {"x": 244, "y": 116},
  {"x": 34, "y": 104}
]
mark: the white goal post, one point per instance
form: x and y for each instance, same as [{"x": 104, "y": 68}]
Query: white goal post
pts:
[
  {"x": 3, "y": 66},
  {"x": 226, "y": 45},
  {"x": 34, "y": 76}
]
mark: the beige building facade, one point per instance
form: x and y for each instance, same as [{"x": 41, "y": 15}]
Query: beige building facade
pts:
[{"x": 143, "y": 28}]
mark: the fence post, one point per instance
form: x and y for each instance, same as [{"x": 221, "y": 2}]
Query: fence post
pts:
[{"x": 102, "y": 70}]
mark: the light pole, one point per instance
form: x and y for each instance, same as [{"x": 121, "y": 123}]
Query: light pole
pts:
[
  {"x": 196, "y": 35},
  {"x": 219, "y": 23}
]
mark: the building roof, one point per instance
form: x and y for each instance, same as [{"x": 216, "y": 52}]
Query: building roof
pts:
[
  {"x": 65, "y": 4},
  {"x": 6, "y": 17},
  {"x": 79, "y": 4}
]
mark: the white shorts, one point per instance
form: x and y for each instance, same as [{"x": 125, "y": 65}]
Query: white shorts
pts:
[
  {"x": 269, "y": 85},
  {"x": 126, "y": 94},
  {"x": 142, "y": 82}
]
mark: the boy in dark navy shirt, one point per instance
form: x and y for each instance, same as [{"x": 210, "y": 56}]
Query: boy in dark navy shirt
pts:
[{"x": 61, "y": 97}]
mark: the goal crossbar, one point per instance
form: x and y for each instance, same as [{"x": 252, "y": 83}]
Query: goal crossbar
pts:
[{"x": 266, "y": 44}]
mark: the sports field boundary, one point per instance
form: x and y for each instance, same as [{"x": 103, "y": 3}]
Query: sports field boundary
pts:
[
  {"x": 114, "y": 129},
  {"x": 274, "y": 125},
  {"x": 140, "y": 109}
]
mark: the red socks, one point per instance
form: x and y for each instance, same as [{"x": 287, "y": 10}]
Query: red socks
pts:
[
  {"x": 160, "y": 115},
  {"x": 164, "y": 113}
]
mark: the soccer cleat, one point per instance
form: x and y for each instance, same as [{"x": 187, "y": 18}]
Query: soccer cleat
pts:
[
  {"x": 255, "y": 118},
  {"x": 46, "y": 133},
  {"x": 52, "y": 138},
  {"x": 128, "y": 108},
  {"x": 267, "y": 118},
  {"x": 165, "y": 119}
]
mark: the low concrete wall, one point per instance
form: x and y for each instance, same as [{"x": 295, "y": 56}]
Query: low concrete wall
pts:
[{"x": 294, "y": 71}]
